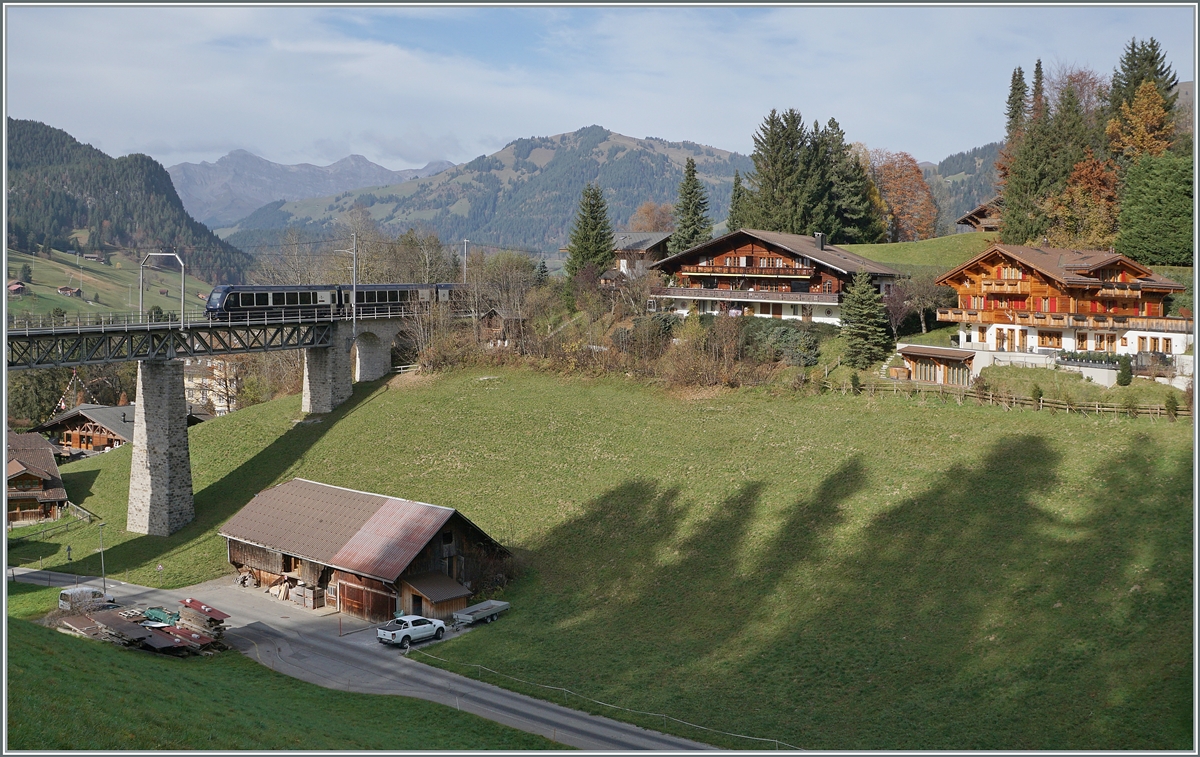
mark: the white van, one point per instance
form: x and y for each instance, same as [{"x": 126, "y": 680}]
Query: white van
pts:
[{"x": 82, "y": 598}]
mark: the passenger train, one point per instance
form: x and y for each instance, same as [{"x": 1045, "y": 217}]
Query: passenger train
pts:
[{"x": 236, "y": 302}]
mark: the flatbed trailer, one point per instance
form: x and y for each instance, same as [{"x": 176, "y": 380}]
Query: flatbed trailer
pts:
[{"x": 485, "y": 611}]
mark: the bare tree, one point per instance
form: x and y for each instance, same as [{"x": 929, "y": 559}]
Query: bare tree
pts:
[
  {"x": 897, "y": 306},
  {"x": 924, "y": 295}
]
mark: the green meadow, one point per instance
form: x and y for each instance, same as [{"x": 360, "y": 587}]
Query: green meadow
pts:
[
  {"x": 833, "y": 571},
  {"x": 67, "y": 694}
]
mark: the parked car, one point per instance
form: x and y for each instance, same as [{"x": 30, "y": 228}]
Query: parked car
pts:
[
  {"x": 83, "y": 598},
  {"x": 405, "y": 629}
]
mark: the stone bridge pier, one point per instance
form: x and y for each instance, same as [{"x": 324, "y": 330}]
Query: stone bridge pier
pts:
[
  {"x": 329, "y": 372},
  {"x": 160, "y": 479}
]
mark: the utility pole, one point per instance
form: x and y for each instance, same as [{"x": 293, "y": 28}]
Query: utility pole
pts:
[
  {"x": 103, "y": 575},
  {"x": 353, "y": 282},
  {"x": 465, "y": 260}
]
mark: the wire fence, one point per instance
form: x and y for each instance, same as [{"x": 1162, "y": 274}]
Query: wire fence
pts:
[
  {"x": 663, "y": 716},
  {"x": 1010, "y": 401}
]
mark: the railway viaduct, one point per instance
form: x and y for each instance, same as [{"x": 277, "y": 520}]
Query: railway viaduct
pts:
[{"x": 337, "y": 352}]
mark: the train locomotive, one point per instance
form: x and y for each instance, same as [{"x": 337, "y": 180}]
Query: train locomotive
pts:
[{"x": 319, "y": 301}]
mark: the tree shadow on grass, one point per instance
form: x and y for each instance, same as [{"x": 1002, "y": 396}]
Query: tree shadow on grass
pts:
[
  {"x": 1000, "y": 608},
  {"x": 79, "y": 483}
]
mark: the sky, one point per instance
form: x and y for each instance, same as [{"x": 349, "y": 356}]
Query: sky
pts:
[{"x": 406, "y": 85}]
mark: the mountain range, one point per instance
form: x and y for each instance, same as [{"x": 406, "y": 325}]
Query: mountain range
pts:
[
  {"x": 219, "y": 194},
  {"x": 525, "y": 195}
]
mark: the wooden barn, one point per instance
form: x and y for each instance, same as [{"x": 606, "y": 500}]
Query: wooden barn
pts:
[{"x": 368, "y": 554}]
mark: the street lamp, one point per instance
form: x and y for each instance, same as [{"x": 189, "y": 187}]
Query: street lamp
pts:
[
  {"x": 353, "y": 282},
  {"x": 182, "y": 279},
  {"x": 103, "y": 576}
]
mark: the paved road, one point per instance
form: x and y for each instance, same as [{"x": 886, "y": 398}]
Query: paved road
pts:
[{"x": 337, "y": 652}]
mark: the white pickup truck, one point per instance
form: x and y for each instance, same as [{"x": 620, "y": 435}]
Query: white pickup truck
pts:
[{"x": 406, "y": 629}]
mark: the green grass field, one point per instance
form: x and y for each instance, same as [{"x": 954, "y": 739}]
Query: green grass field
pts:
[
  {"x": 836, "y": 572},
  {"x": 66, "y": 693},
  {"x": 117, "y": 285}
]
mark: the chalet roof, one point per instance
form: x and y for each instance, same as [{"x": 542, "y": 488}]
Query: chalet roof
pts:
[
  {"x": 988, "y": 209},
  {"x": 38, "y": 460},
  {"x": 437, "y": 587},
  {"x": 30, "y": 441},
  {"x": 368, "y": 534},
  {"x": 117, "y": 419},
  {"x": 1067, "y": 266},
  {"x": 630, "y": 241},
  {"x": 831, "y": 256},
  {"x": 612, "y": 274},
  {"x": 942, "y": 353}
]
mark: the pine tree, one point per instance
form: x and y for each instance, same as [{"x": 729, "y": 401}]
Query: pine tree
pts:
[
  {"x": 592, "y": 234},
  {"x": 775, "y": 185},
  {"x": 1014, "y": 128},
  {"x": 738, "y": 205},
  {"x": 1030, "y": 176},
  {"x": 864, "y": 324},
  {"x": 542, "y": 274},
  {"x": 692, "y": 224},
  {"x": 1157, "y": 210},
  {"x": 26, "y": 274},
  {"x": 1141, "y": 62}
]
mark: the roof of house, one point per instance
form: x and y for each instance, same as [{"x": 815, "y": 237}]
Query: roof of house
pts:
[
  {"x": 39, "y": 460},
  {"x": 832, "y": 256},
  {"x": 989, "y": 209},
  {"x": 437, "y": 587},
  {"x": 117, "y": 419},
  {"x": 30, "y": 441},
  {"x": 368, "y": 534},
  {"x": 1066, "y": 265},
  {"x": 630, "y": 241},
  {"x": 943, "y": 353}
]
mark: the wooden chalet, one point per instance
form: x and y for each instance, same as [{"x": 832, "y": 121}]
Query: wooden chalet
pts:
[
  {"x": 1030, "y": 299},
  {"x": 498, "y": 325},
  {"x": 986, "y": 217},
  {"x": 765, "y": 273},
  {"x": 96, "y": 428},
  {"x": 370, "y": 554},
  {"x": 635, "y": 251},
  {"x": 35, "y": 488},
  {"x": 67, "y": 291},
  {"x": 16, "y": 287}
]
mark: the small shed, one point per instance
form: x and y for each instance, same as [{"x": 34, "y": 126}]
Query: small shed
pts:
[
  {"x": 16, "y": 287},
  {"x": 372, "y": 555},
  {"x": 938, "y": 365},
  {"x": 70, "y": 292}
]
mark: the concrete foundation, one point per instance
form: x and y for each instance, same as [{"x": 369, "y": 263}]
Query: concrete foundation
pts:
[{"x": 160, "y": 479}]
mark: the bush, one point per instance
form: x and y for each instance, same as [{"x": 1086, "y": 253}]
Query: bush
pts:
[
  {"x": 1036, "y": 393},
  {"x": 855, "y": 385},
  {"x": 1125, "y": 370},
  {"x": 1171, "y": 406}
]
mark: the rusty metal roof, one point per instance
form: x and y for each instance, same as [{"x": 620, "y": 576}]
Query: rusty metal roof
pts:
[
  {"x": 368, "y": 534},
  {"x": 437, "y": 587}
]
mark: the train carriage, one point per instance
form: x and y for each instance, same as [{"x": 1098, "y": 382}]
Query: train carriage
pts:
[{"x": 237, "y": 302}]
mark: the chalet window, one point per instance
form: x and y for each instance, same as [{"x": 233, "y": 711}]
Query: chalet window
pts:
[
  {"x": 1154, "y": 344},
  {"x": 982, "y": 334},
  {"x": 1051, "y": 339},
  {"x": 1008, "y": 272},
  {"x": 828, "y": 286},
  {"x": 1166, "y": 345},
  {"x": 1141, "y": 344}
]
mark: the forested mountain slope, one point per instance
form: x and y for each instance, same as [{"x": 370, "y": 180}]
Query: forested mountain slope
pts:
[
  {"x": 56, "y": 185},
  {"x": 525, "y": 195}
]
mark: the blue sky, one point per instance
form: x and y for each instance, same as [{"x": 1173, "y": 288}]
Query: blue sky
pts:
[{"x": 407, "y": 85}]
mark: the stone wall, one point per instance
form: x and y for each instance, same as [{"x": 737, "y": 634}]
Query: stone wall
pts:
[{"x": 160, "y": 478}]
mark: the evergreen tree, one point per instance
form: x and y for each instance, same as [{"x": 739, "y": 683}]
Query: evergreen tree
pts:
[
  {"x": 864, "y": 324},
  {"x": 26, "y": 274},
  {"x": 592, "y": 234},
  {"x": 1142, "y": 61},
  {"x": 692, "y": 224},
  {"x": 738, "y": 205},
  {"x": 1030, "y": 176},
  {"x": 779, "y": 153},
  {"x": 1156, "y": 211},
  {"x": 542, "y": 274},
  {"x": 1068, "y": 137},
  {"x": 1014, "y": 129}
]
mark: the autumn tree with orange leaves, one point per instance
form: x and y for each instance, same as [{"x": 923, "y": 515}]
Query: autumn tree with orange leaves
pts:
[
  {"x": 1085, "y": 215},
  {"x": 653, "y": 216},
  {"x": 1143, "y": 127},
  {"x": 911, "y": 211}
]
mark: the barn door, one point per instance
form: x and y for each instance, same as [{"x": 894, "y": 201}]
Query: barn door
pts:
[
  {"x": 350, "y": 599},
  {"x": 417, "y": 609}
]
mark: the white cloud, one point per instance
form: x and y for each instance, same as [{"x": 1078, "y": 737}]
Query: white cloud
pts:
[{"x": 315, "y": 84}]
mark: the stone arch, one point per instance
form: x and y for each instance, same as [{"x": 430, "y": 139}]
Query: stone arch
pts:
[{"x": 371, "y": 354}]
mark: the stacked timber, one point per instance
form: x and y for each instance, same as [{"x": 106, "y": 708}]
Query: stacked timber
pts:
[{"x": 199, "y": 618}]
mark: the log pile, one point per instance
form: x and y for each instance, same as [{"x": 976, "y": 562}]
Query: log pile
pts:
[{"x": 201, "y": 619}]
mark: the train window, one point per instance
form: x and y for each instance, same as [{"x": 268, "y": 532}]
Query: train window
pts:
[
  {"x": 247, "y": 299},
  {"x": 277, "y": 298},
  {"x": 306, "y": 298},
  {"x": 293, "y": 298},
  {"x": 360, "y": 297},
  {"x": 394, "y": 295},
  {"x": 262, "y": 298},
  {"x": 370, "y": 297}
]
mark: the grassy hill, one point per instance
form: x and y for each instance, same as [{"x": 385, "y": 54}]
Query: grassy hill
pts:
[
  {"x": 117, "y": 285},
  {"x": 837, "y": 572},
  {"x": 73, "y": 694},
  {"x": 524, "y": 195},
  {"x": 942, "y": 253}
]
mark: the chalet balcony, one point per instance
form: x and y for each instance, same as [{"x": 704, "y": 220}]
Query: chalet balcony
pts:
[
  {"x": 1124, "y": 290},
  {"x": 739, "y": 295},
  {"x": 747, "y": 271},
  {"x": 1006, "y": 286},
  {"x": 1095, "y": 321}
]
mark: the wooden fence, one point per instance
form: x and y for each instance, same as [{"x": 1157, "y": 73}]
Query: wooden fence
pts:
[{"x": 1006, "y": 400}]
